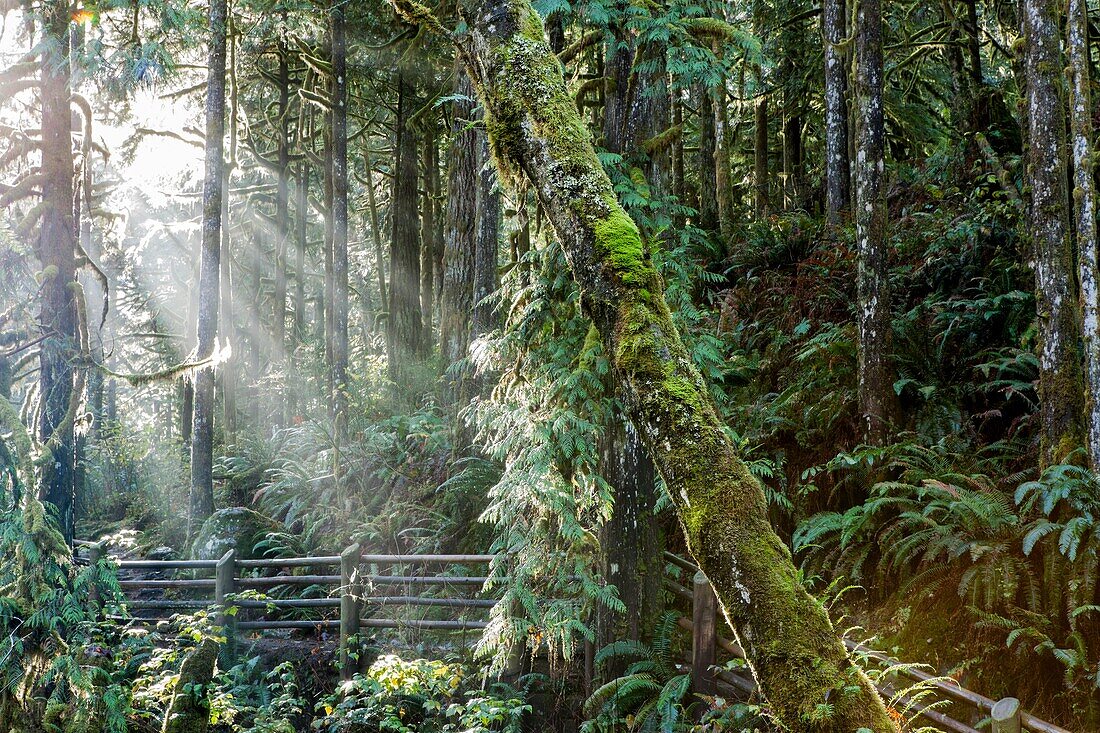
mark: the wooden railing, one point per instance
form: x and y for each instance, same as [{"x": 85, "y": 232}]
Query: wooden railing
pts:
[
  {"x": 351, "y": 592},
  {"x": 1005, "y": 714},
  {"x": 350, "y": 588}
]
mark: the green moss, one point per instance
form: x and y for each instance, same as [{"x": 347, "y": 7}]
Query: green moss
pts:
[{"x": 619, "y": 243}]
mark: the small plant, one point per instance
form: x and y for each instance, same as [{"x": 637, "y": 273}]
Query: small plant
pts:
[{"x": 421, "y": 696}]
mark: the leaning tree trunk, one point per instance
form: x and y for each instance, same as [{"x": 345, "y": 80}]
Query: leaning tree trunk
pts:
[
  {"x": 873, "y": 293},
  {"x": 797, "y": 656},
  {"x": 202, "y": 427},
  {"x": 837, "y": 173},
  {"x": 1084, "y": 197},
  {"x": 1059, "y": 373},
  {"x": 56, "y": 252}
]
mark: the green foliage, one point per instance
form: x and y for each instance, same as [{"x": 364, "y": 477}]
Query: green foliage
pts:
[
  {"x": 57, "y": 653},
  {"x": 653, "y": 694},
  {"x": 397, "y": 696}
]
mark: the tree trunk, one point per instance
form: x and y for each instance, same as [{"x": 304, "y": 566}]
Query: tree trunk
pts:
[
  {"x": 792, "y": 155},
  {"x": 56, "y": 252},
  {"x": 797, "y": 656},
  {"x": 202, "y": 430},
  {"x": 873, "y": 295},
  {"x": 1084, "y": 197},
  {"x": 837, "y": 167},
  {"x": 460, "y": 226},
  {"x": 1060, "y": 383},
  {"x": 405, "y": 326},
  {"x": 631, "y": 558},
  {"x": 298, "y": 331},
  {"x": 723, "y": 177},
  {"x": 340, "y": 218},
  {"x": 427, "y": 233},
  {"x": 376, "y": 234},
  {"x": 678, "y": 187},
  {"x": 760, "y": 165},
  {"x": 708, "y": 147},
  {"x": 282, "y": 213},
  {"x": 486, "y": 244},
  {"x": 618, "y": 65}
]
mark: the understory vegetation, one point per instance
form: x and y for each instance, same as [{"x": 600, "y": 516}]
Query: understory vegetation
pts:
[{"x": 275, "y": 279}]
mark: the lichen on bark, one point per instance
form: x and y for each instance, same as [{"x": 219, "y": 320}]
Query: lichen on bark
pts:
[{"x": 799, "y": 661}]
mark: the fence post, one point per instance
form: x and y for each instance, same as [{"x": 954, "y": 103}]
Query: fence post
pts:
[
  {"x": 1006, "y": 716},
  {"x": 95, "y": 554},
  {"x": 225, "y": 586},
  {"x": 704, "y": 635},
  {"x": 349, "y": 611}
]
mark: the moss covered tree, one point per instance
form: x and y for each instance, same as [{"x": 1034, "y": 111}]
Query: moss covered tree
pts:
[{"x": 797, "y": 656}]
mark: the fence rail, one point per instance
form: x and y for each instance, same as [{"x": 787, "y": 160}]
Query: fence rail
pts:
[
  {"x": 350, "y": 588},
  {"x": 354, "y": 604},
  {"x": 1006, "y": 714}
]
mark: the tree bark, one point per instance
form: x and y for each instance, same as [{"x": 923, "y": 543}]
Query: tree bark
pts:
[
  {"x": 486, "y": 244},
  {"x": 282, "y": 211},
  {"x": 460, "y": 226},
  {"x": 202, "y": 430},
  {"x": 837, "y": 166},
  {"x": 708, "y": 154},
  {"x": 873, "y": 293},
  {"x": 1060, "y": 383},
  {"x": 631, "y": 556},
  {"x": 56, "y": 252},
  {"x": 427, "y": 232},
  {"x": 760, "y": 163},
  {"x": 405, "y": 325},
  {"x": 797, "y": 656},
  {"x": 1084, "y": 198},
  {"x": 339, "y": 214}
]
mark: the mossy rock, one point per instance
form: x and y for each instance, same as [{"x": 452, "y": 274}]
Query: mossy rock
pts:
[{"x": 233, "y": 528}]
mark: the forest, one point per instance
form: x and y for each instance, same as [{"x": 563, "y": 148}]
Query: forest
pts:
[{"x": 590, "y": 366}]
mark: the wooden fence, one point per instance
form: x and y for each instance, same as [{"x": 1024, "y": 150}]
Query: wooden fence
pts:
[
  {"x": 1005, "y": 715},
  {"x": 354, "y": 594}
]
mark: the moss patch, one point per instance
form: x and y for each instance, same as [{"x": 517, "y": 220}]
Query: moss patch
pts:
[{"x": 619, "y": 243}]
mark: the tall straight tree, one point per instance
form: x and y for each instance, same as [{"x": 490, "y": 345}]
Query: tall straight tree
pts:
[
  {"x": 427, "y": 227},
  {"x": 202, "y": 428},
  {"x": 630, "y": 552},
  {"x": 486, "y": 244},
  {"x": 1084, "y": 197},
  {"x": 339, "y": 214},
  {"x": 837, "y": 170},
  {"x": 761, "y": 181},
  {"x": 1060, "y": 388},
  {"x": 405, "y": 325},
  {"x": 282, "y": 200},
  {"x": 56, "y": 251},
  {"x": 797, "y": 657},
  {"x": 873, "y": 293},
  {"x": 459, "y": 226}
]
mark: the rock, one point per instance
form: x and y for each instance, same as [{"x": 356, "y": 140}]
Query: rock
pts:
[
  {"x": 164, "y": 552},
  {"x": 236, "y": 528},
  {"x": 189, "y": 711}
]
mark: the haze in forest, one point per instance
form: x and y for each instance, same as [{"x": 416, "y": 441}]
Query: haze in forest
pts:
[{"x": 530, "y": 365}]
